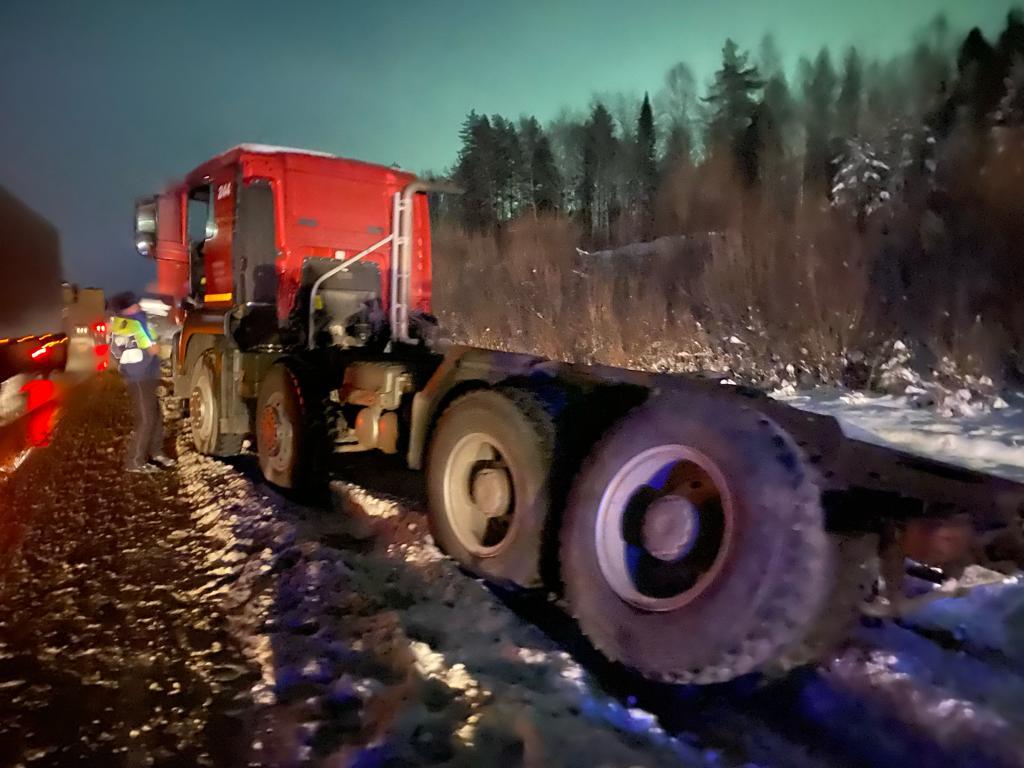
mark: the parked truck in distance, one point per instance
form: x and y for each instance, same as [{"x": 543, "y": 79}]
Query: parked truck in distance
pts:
[
  {"x": 32, "y": 338},
  {"x": 85, "y": 325},
  {"x": 698, "y": 532}
]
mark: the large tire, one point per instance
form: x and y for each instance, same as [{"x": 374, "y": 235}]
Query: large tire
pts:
[
  {"x": 487, "y": 483},
  {"x": 204, "y": 411},
  {"x": 693, "y": 547},
  {"x": 291, "y": 432},
  {"x": 857, "y": 570}
]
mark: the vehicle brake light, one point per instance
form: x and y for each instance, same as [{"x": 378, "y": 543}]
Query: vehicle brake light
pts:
[{"x": 100, "y": 327}]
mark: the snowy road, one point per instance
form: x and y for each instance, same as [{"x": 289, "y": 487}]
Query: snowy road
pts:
[{"x": 200, "y": 618}]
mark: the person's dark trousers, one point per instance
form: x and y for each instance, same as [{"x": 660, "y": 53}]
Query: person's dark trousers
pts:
[{"x": 148, "y": 436}]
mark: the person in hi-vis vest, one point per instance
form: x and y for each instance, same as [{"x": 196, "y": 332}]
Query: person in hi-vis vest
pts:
[{"x": 133, "y": 344}]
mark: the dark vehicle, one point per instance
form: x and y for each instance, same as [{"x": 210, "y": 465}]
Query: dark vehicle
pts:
[{"x": 32, "y": 338}]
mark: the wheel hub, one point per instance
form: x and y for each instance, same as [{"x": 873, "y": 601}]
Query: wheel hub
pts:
[
  {"x": 491, "y": 491},
  {"x": 480, "y": 494},
  {"x": 199, "y": 412},
  {"x": 670, "y": 528},
  {"x": 664, "y": 527}
]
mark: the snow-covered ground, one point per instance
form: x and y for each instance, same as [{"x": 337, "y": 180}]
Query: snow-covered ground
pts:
[
  {"x": 368, "y": 647},
  {"x": 357, "y": 611},
  {"x": 371, "y": 642},
  {"x": 988, "y": 439},
  {"x": 985, "y": 628}
]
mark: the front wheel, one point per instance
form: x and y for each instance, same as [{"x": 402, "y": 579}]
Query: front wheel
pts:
[
  {"x": 204, "y": 411},
  {"x": 693, "y": 548}
]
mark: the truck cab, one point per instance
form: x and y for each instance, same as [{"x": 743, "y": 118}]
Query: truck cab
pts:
[
  {"x": 266, "y": 251},
  {"x": 243, "y": 231}
]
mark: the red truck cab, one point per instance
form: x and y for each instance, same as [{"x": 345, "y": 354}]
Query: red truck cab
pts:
[{"x": 239, "y": 228}]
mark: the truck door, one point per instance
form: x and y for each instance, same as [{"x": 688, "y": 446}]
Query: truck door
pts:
[
  {"x": 255, "y": 245},
  {"x": 217, "y": 280},
  {"x": 159, "y": 236}
]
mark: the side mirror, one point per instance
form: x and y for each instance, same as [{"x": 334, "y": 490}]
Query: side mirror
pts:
[
  {"x": 145, "y": 226},
  {"x": 188, "y": 303},
  {"x": 145, "y": 244}
]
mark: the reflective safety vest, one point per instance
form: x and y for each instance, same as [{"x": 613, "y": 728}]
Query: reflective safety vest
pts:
[{"x": 129, "y": 340}]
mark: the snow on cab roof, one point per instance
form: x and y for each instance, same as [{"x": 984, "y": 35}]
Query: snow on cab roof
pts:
[{"x": 270, "y": 149}]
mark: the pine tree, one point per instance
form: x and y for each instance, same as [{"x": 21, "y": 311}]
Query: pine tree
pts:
[
  {"x": 819, "y": 97},
  {"x": 732, "y": 98},
  {"x": 508, "y": 167},
  {"x": 646, "y": 159},
  {"x": 597, "y": 183},
  {"x": 678, "y": 148},
  {"x": 543, "y": 188},
  {"x": 474, "y": 172},
  {"x": 547, "y": 181},
  {"x": 851, "y": 94},
  {"x": 860, "y": 186},
  {"x": 980, "y": 81}
]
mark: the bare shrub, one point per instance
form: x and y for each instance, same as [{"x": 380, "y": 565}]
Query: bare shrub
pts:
[{"x": 761, "y": 287}]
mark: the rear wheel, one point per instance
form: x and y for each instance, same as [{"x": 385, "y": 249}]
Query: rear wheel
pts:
[
  {"x": 693, "y": 547},
  {"x": 204, "y": 411},
  {"x": 487, "y": 473},
  {"x": 291, "y": 437}
]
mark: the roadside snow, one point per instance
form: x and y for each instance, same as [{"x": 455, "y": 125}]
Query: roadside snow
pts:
[
  {"x": 987, "y": 622},
  {"x": 373, "y": 646},
  {"x": 987, "y": 440}
]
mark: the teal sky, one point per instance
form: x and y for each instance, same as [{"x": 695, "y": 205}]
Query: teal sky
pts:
[{"x": 102, "y": 100}]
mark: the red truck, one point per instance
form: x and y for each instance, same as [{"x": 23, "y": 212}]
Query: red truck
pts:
[{"x": 697, "y": 531}]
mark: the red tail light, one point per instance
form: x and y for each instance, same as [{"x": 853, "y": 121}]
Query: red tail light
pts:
[
  {"x": 101, "y": 349},
  {"x": 100, "y": 327}
]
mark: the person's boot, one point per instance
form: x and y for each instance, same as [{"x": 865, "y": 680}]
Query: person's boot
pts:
[
  {"x": 163, "y": 461},
  {"x": 141, "y": 469}
]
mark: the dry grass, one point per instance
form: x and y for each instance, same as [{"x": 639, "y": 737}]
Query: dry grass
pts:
[{"x": 751, "y": 284}]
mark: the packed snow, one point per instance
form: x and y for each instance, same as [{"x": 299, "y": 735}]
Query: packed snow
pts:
[{"x": 990, "y": 439}]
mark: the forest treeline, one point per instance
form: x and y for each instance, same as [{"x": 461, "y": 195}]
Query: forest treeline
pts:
[{"x": 809, "y": 216}]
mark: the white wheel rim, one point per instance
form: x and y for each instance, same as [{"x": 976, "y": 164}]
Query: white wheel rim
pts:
[
  {"x": 476, "y": 523},
  {"x": 691, "y": 487}
]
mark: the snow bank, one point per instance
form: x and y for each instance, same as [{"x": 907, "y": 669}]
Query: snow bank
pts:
[{"x": 987, "y": 440}]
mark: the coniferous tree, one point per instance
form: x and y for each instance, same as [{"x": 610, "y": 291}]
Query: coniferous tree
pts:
[
  {"x": 819, "y": 96},
  {"x": 851, "y": 95},
  {"x": 980, "y": 85},
  {"x": 678, "y": 148},
  {"x": 508, "y": 168},
  {"x": 547, "y": 181},
  {"x": 732, "y": 98},
  {"x": 543, "y": 188},
  {"x": 597, "y": 183},
  {"x": 474, "y": 172},
  {"x": 646, "y": 159}
]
